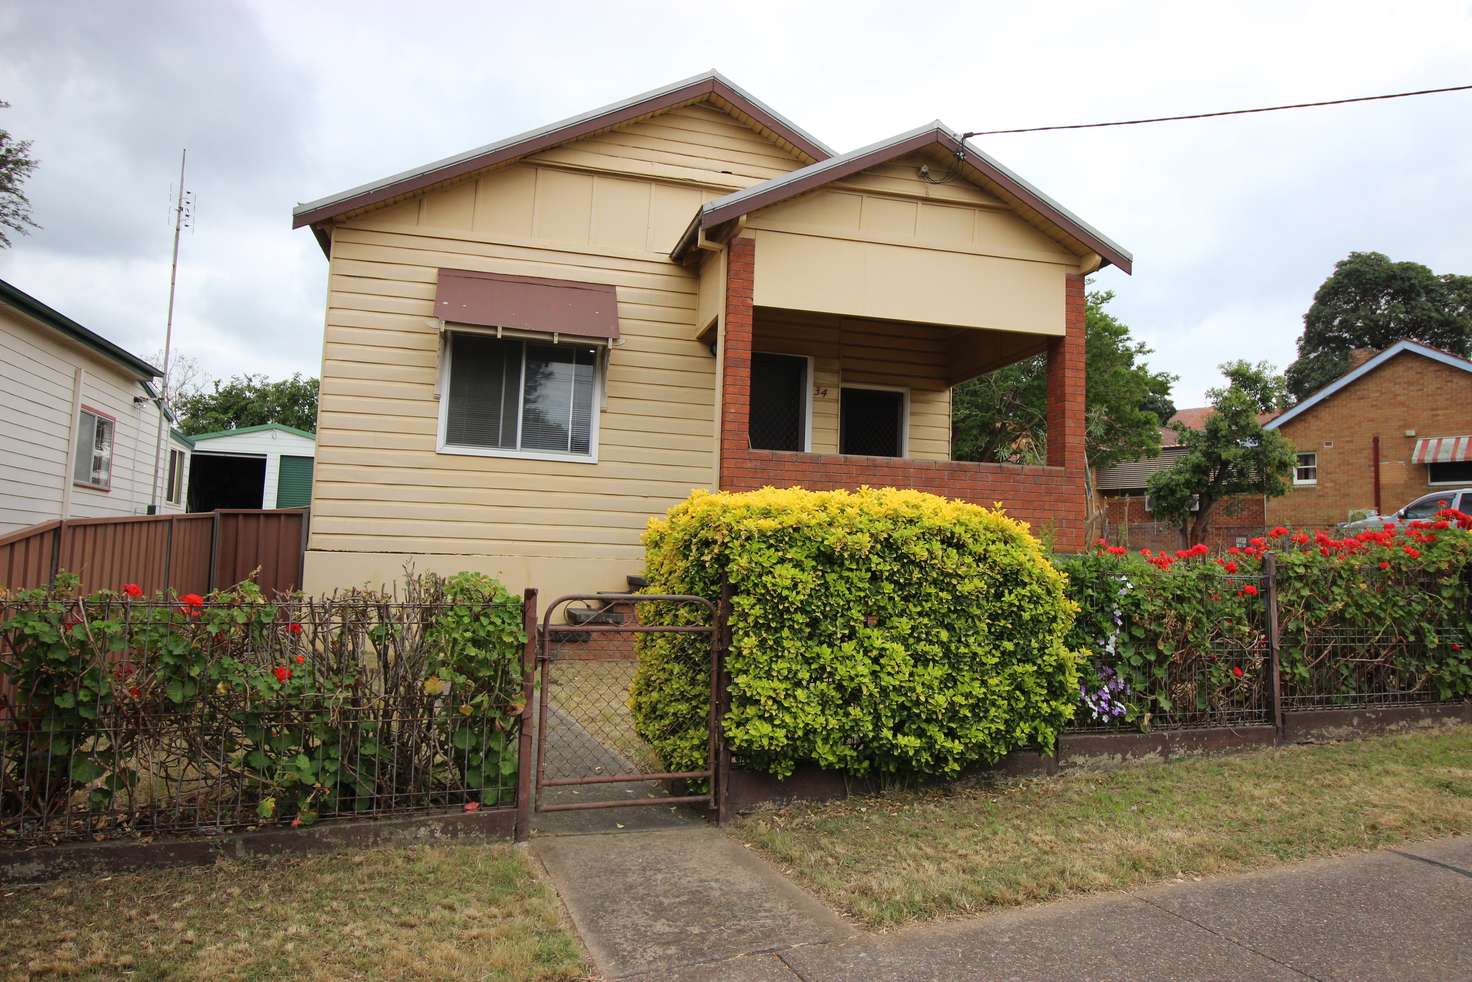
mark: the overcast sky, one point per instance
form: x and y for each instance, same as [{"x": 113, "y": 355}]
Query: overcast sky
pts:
[{"x": 1233, "y": 223}]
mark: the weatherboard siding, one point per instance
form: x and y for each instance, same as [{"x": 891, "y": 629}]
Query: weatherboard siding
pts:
[
  {"x": 604, "y": 210},
  {"x": 37, "y": 377}
]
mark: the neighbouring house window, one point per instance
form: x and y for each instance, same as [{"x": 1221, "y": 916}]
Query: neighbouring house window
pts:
[
  {"x": 1451, "y": 472},
  {"x": 1307, "y": 471},
  {"x": 524, "y": 398},
  {"x": 871, "y": 422},
  {"x": 93, "y": 467},
  {"x": 174, "y": 491},
  {"x": 778, "y": 418}
]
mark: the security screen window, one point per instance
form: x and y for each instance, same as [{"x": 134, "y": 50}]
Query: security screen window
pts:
[
  {"x": 520, "y": 397},
  {"x": 779, "y": 390},
  {"x": 871, "y": 422}
]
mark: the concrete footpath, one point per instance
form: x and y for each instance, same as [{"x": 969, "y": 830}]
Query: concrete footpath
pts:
[{"x": 693, "y": 904}]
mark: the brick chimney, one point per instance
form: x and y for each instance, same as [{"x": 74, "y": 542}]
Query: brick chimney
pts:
[{"x": 1358, "y": 356}]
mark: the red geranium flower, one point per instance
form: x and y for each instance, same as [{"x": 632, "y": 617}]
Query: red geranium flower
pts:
[
  {"x": 282, "y": 673},
  {"x": 1411, "y": 551},
  {"x": 1247, "y": 590},
  {"x": 1237, "y": 670},
  {"x": 472, "y": 806},
  {"x": 1384, "y": 565},
  {"x": 1456, "y": 647},
  {"x": 300, "y": 659},
  {"x": 1278, "y": 532},
  {"x": 294, "y": 628},
  {"x": 192, "y": 600},
  {"x": 1229, "y": 566},
  {"x": 132, "y": 590},
  {"x": 135, "y": 692}
]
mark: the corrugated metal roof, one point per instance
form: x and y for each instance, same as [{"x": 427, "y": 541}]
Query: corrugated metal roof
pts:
[{"x": 1133, "y": 475}]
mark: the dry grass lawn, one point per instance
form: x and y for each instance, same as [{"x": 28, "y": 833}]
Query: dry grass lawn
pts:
[
  {"x": 424, "y": 912},
  {"x": 902, "y": 857}
]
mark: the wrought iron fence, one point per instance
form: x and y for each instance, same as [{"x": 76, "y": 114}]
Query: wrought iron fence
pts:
[
  {"x": 1207, "y": 670},
  {"x": 1362, "y": 668},
  {"x": 125, "y": 717}
]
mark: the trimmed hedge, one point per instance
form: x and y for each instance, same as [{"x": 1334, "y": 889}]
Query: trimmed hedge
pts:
[{"x": 877, "y": 632}]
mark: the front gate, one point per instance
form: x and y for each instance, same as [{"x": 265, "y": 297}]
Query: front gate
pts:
[{"x": 588, "y": 753}]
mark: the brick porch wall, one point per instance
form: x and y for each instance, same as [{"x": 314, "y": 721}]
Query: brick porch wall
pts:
[{"x": 1048, "y": 497}]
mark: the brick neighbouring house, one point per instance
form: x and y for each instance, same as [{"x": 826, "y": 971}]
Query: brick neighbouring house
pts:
[
  {"x": 1396, "y": 426},
  {"x": 1126, "y": 506}
]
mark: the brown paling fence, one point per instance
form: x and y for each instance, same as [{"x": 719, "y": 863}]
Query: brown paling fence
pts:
[{"x": 190, "y": 553}]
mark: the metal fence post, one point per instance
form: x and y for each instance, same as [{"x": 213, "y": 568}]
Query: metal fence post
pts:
[
  {"x": 56, "y": 552},
  {"x": 214, "y": 551},
  {"x": 168, "y": 552},
  {"x": 721, "y": 766},
  {"x": 1275, "y": 679},
  {"x": 528, "y": 718}
]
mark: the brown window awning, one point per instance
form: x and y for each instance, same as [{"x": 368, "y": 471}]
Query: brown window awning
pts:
[{"x": 527, "y": 303}]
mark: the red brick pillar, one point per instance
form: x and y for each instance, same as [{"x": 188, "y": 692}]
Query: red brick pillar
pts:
[
  {"x": 736, "y": 367},
  {"x": 1066, "y": 383}
]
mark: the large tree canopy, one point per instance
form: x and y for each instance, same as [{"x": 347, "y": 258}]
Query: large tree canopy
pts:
[
  {"x": 16, "y": 164},
  {"x": 1369, "y": 301},
  {"x": 1231, "y": 454},
  {"x": 249, "y": 400},
  {"x": 1003, "y": 416}
]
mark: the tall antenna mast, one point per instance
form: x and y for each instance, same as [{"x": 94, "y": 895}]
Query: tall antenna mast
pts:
[{"x": 181, "y": 218}]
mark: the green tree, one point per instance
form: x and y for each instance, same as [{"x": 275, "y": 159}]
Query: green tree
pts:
[
  {"x": 1264, "y": 383},
  {"x": 1002, "y": 416},
  {"x": 1369, "y": 301},
  {"x": 249, "y": 400},
  {"x": 16, "y": 164},
  {"x": 1230, "y": 455}
]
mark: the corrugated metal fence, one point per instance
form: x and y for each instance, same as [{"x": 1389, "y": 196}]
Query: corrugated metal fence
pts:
[{"x": 192, "y": 553}]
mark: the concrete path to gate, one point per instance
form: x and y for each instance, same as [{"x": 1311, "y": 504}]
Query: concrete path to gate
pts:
[{"x": 694, "y": 904}]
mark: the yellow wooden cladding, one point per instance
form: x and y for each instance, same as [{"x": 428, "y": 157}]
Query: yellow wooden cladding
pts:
[{"x": 608, "y": 209}]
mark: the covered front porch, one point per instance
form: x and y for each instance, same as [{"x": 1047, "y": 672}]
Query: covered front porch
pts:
[{"x": 828, "y": 400}]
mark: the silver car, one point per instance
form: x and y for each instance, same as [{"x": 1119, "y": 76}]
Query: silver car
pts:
[{"x": 1423, "y": 508}]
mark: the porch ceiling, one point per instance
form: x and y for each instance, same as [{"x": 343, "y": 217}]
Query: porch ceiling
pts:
[{"x": 891, "y": 352}]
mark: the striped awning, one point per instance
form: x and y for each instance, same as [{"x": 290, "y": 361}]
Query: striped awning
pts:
[{"x": 1442, "y": 450}]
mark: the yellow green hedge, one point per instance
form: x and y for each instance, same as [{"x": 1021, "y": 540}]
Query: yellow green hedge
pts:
[{"x": 878, "y": 632}]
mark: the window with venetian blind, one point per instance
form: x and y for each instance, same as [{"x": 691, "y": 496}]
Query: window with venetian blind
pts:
[{"x": 506, "y": 397}]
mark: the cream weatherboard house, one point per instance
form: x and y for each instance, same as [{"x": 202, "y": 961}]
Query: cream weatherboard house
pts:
[
  {"x": 534, "y": 346},
  {"x": 80, "y": 423}
]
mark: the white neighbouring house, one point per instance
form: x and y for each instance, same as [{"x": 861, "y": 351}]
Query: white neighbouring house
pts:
[
  {"x": 80, "y": 422},
  {"x": 266, "y": 466}
]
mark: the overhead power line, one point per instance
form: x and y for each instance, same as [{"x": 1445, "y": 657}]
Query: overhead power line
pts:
[{"x": 1225, "y": 112}]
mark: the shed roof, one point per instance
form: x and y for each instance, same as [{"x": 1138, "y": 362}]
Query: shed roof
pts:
[
  {"x": 27, "y": 304},
  {"x": 979, "y": 166},
  {"x": 240, "y": 431}
]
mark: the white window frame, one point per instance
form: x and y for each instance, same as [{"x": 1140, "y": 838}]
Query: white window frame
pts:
[
  {"x": 904, "y": 416},
  {"x": 810, "y": 387},
  {"x": 443, "y": 446},
  {"x": 1305, "y": 482},
  {"x": 1442, "y": 484},
  {"x": 112, "y": 448},
  {"x": 174, "y": 490}
]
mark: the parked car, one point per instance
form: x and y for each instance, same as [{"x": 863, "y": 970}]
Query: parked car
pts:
[{"x": 1423, "y": 508}]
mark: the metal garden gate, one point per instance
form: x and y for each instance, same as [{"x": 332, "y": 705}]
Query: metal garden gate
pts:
[{"x": 588, "y": 752}]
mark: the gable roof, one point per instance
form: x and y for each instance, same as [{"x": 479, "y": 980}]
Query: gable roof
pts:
[
  {"x": 982, "y": 168},
  {"x": 683, "y": 92},
  {"x": 1349, "y": 378},
  {"x": 240, "y": 431},
  {"x": 37, "y": 310}
]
